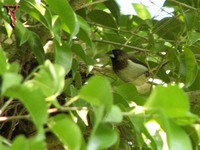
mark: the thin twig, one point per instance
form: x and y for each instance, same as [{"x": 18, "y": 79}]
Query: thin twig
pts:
[
  {"x": 92, "y": 3},
  {"x": 117, "y": 30},
  {"x": 64, "y": 109},
  {"x": 122, "y": 45},
  {"x": 182, "y": 4},
  {"x": 5, "y": 105},
  {"x": 72, "y": 100},
  {"x": 2, "y": 119}
]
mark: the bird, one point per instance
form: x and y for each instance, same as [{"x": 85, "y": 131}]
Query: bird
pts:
[{"x": 129, "y": 69}]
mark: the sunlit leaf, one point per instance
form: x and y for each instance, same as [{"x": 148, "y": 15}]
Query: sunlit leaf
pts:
[
  {"x": 142, "y": 11},
  {"x": 67, "y": 131},
  {"x": 20, "y": 143},
  {"x": 50, "y": 80},
  {"x": 34, "y": 101},
  {"x": 9, "y": 80},
  {"x": 8, "y": 28},
  {"x": 115, "y": 115},
  {"x": 172, "y": 101},
  {"x": 23, "y": 143},
  {"x": 175, "y": 135},
  {"x": 104, "y": 137},
  {"x": 66, "y": 14},
  {"x": 31, "y": 9},
  {"x": 2, "y": 144},
  {"x": 178, "y": 139}
]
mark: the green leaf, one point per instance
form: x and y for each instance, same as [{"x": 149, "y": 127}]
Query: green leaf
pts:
[
  {"x": 177, "y": 138},
  {"x": 188, "y": 67},
  {"x": 14, "y": 67},
  {"x": 191, "y": 67},
  {"x": 79, "y": 51},
  {"x": 172, "y": 24},
  {"x": 114, "y": 8},
  {"x": 193, "y": 37},
  {"x": 36, "y": 46},
  {"x": 20, "y": 142},
  {"x": 127, "y": 90},
  {"x": 97, "y": 91},
  {"x": 99, "y": 113},
  {"x": 172, "y": 101},
  {"x": 100, "y": 16},
  {"x": 34, "y": 101},
  {"x": 50, "y": 79},
  {"x": 33, "y": 11},
  {"x": 84, "y": 36},
  {"x": 103, "y": 137},
  {"x": 3, "y": 63},
  {"x": 37, "y": 142},
  {"x": 66, "y": 14},
  {"x": 63, "y": 55},
  {"x": 67, "y": 131},
  {"x": 83, "y": 24},
  {"x": 56, "y": 28},
  {"x": 8, "y": 28},
  {"x": 190, "y": 18},
  {"x": 9, "y": 80},
  {"x": 2, "y": 144},
  {"x": 142, "y": 11},
  {"x": 21, "y": 33},
  {"x": 115, "y": 115}
]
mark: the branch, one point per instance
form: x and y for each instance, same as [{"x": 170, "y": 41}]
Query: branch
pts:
[
  {"x": 182, "y": 4},
  {"x": 119, "y": 44},
  {"x": 2, "y": 119},
  {"x": 5, "y": 105},
  {"x": 118, "y": 30}
]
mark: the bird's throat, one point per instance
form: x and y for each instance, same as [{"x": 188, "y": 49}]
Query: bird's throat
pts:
[{"x": 119, "y": 64}]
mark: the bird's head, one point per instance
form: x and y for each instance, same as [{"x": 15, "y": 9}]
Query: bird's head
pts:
[
  {"x": 119, "y": 59},
  {"x": 119, "y": 55}
]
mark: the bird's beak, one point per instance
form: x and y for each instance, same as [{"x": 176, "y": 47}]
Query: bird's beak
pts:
[{"x": 110, "y": 54}]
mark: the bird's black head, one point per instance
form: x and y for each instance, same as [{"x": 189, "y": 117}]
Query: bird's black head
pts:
[
  {"x": 119, "y": 59},
  {"x": 119, "y": 55}
]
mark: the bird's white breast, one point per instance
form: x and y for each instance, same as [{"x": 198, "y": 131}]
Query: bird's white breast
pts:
[{"x": 132, "y": 71}]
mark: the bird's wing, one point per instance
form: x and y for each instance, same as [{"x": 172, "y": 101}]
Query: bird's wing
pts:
[{"x": 137, "y": 61}]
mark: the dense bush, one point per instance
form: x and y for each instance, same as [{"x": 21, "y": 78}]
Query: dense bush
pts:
[{"x": 58, "y": 89}]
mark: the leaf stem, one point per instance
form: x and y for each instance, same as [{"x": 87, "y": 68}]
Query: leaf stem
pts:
[{"x": 72, "y": 100}]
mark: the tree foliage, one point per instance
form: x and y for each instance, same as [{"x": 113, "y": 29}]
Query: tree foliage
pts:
[{"x": 58, "y": 90}]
